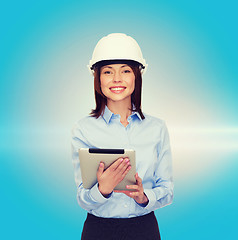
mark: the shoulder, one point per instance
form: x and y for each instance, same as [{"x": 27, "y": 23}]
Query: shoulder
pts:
[
  {"x": 85, "y": 123},
  {"x": 85, "y": 120},
  {"x": 155, "y": 121},
  {"x": 154, "y": 125},
  {"x": 158, "y": 128}
]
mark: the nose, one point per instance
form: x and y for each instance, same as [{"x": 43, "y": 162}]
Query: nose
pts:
[{"x": 117, "y": 77}]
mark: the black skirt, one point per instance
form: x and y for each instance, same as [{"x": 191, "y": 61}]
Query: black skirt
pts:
[{"x": 137, "y": 228}]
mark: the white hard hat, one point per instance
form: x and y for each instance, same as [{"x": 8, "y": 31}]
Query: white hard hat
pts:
[{"x": 117, "y": 46}]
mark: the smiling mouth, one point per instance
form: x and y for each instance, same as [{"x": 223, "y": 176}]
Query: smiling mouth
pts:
[{"x": 117, "y": 88}]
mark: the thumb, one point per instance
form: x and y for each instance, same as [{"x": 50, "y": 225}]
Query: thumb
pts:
[
  {"x": 100, "y": 169},
  {"x": 138, "y": 179}
]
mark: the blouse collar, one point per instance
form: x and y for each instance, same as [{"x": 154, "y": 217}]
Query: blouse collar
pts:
[{"x": 107, "y": 115}]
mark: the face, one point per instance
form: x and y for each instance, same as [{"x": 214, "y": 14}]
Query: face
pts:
[{"x": 117, "y": 82}]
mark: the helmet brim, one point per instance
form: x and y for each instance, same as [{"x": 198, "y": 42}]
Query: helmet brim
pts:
[{"x": 116, "y": 61}]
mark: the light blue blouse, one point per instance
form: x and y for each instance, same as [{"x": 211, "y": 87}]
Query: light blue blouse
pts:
[{"x": 150, "y": 140}]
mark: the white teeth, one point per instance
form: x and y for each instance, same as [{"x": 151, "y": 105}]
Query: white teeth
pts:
[{"x": 116, "y": 89}]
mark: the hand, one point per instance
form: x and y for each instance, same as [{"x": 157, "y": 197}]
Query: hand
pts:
[
  {"x": 138, "y": 195},
  {"x": 108, "y": 179}
]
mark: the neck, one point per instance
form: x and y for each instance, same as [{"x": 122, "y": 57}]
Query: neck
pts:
[{"x": 120, "y": 107}]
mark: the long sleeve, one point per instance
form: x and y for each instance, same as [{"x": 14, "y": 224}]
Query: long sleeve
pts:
[
  {"x": 150, "y": 140},
  {"x": 161, "y": 193},
  {"x": 88, "y": 199}
]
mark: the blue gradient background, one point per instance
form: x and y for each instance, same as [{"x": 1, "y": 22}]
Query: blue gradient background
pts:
[{"x": 191, "y": 83}]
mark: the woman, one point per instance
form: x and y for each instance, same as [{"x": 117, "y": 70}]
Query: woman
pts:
[{"x": 118, "y": 122}]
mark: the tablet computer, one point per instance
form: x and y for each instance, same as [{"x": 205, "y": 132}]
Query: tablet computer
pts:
[{"x": 91, "y": 157}]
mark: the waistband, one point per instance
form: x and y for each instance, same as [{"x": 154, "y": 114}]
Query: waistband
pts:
[{"x": 146, "y": 217}]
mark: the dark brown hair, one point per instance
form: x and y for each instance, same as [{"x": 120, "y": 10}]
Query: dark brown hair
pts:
[{"x": 101, "y": 99}]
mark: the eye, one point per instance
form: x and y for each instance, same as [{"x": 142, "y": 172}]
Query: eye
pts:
[
  {"x": 106, "y": 72},
  {"x": 127, "y": 71}
]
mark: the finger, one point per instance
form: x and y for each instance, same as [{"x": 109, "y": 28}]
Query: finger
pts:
[
  {"x": 135, "y": 194},
  {"x": 138, "y": 180},
  {"x": 122, "y": 173},
  {"x": 126, "y": 171},
  {"x": 125, "y": 192},
  {"x": 123, "y": 166},
  {"x": 115, "y": 164},
  {"x": 120, "y": 191},
  {"x": 100, "y": 169},
  {"x": 136, "y": 187}
]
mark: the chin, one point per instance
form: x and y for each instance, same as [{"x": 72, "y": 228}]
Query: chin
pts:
[{"x": 119, "y": 99}]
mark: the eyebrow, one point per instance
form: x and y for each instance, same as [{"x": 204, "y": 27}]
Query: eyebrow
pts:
[{"x": 111, "y": 67}]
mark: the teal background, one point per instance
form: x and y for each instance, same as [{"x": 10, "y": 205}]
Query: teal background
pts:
[{"x": 191, "y": 83}]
